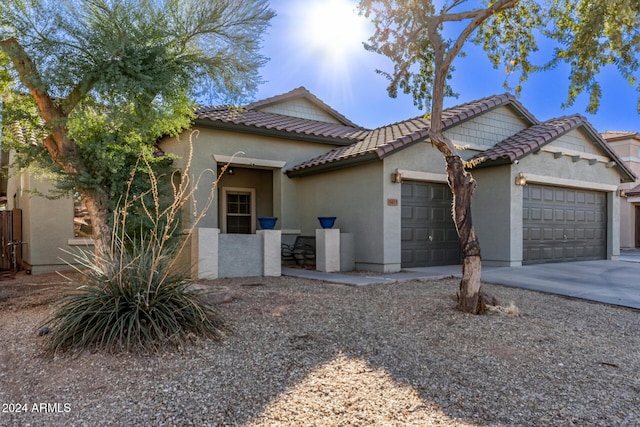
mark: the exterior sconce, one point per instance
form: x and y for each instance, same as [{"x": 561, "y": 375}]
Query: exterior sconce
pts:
[
  {"x": 622, "y": 192},
  {"x": 396, "y": 178},
  {"x": 521, "y": 179}
]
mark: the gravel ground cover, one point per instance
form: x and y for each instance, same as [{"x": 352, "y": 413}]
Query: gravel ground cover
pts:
[{"x": 301, "y": 352}]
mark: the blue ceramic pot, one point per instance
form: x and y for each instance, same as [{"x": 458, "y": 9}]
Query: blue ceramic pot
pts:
[
  {"x": 327, "y": 221},
  {"x": 267, "y": 222}
]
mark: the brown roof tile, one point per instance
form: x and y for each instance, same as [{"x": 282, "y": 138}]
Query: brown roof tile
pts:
[
  {"x": 384, "y": 140},
  {"x": 246, "y": 117},
  {"x": 533, "y": 138},
  {"x": 635, "y": 191},
  {"x": 528, "y": 140},
  {"x": 618, "y": 135}
]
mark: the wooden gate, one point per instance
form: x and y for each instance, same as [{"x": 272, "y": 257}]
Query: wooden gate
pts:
[{"x": 11, "y": 240}]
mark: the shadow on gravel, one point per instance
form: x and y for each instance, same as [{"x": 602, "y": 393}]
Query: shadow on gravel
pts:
[{"x": 304, "y": 352}]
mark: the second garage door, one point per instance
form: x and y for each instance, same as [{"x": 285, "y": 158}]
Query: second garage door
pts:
[
  {"x": 429, "y": 236},
  {"x": 563, "y": 224}
]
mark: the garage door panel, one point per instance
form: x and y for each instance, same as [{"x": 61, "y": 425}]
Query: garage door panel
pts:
[
  {"x": 563, "y": 224},
  {"x": 533, "y": 233},
  {"x": 421, "y": 234},
  {"x": 406, "y": 233},
  {"x": 547, "y": 214},
  {"x": 422, "y": 214},
  {"x": 440, "y": 214},
  {"x": 433, "y": 239},
  {"x": 536, "y": 214},
  {"x": 406, "y": 212}
]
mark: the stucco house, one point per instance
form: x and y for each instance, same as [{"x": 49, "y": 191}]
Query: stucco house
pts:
[
  {"x": 627, "y": 147},
  {"x": 387, "y": 186},
  {"x": 547, "y": 191}
]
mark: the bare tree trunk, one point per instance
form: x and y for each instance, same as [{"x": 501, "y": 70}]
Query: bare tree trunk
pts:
[
  {"x": 100, "y": 217},
  {"x": 463, "y": 185}
]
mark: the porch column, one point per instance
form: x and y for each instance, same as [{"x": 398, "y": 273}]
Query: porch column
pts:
[
  {"x": 272, "y": 248},
  {"x": 328, "y": 250},
  {"x": 204, "y": 253}
]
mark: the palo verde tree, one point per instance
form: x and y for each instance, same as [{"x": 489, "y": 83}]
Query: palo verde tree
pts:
[
  {"x": 101, "y": 80},
  {"x": 422, "y": 42}
]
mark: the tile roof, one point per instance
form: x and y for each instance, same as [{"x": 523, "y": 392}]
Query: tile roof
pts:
[
  {"x": 260, "y": 120},
  {"x": 618, "y": 135},
  {"x": 528, "y": 140},
  {"x": 533, "y": 138},
  {"x": 635, "y": 191},
  {"x": 380, "y": 142}
]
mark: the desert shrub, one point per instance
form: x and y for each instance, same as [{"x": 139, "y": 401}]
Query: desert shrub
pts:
[
  {"x": 137, "y": 300},
  {"x": 135, "y": 296}
]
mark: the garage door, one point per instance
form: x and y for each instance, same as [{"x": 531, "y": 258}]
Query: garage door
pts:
[
  {"x": 562, "y": 224},
  {"x": 429, "y": 236}
]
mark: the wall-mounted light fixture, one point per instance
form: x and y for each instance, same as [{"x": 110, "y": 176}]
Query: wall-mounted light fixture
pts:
[
  {"x": 230, "y": 171},
  {"x": 396, "y": 178},
  {"x": 521, "y": 179},
  {"x": 622, "y": 192}
]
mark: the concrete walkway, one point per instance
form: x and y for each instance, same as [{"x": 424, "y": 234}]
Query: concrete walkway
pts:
[{"x": 611, "y": 282}]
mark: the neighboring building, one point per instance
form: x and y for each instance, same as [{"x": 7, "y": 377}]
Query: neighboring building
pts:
[
  {"x": 387, "y": 186},
  {"x": 44, "y": 231},
  {"x": 627, "y": 146}
]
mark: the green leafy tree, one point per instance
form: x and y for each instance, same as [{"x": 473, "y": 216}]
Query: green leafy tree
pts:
[
  {"x": 97, "y": 82},
  {"x": 422, "y": 42}
]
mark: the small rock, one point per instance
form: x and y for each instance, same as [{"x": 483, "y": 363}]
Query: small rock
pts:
[{"x": 43, "y": 331}]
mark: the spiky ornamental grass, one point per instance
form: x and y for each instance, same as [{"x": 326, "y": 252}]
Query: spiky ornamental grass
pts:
[
  {"x": 118, "y": 309},
  {"x": 135, "y": 297}
]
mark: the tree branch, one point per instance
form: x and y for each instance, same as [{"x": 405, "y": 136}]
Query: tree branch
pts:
[
  {"x": 444, "y": 57},
  {"x": 77, "y": 94},
  {"x": 57, "y": 143},
  {"x": 472, "y": 14},
  {"x": 480, "y": 16}
]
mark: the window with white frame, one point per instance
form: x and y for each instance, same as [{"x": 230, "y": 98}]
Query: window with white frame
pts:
[{"x": 238, "y": 210}]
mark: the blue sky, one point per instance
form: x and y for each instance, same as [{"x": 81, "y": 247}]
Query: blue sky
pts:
[{"x": 296, "y": 44}]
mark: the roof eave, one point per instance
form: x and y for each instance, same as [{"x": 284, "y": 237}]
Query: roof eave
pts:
[
  {"x": 275, "y": 133},
  {"x": 501, "y": 161},
  {"x": 334, "y": 165},
  {"x": 629, "y": 176}
]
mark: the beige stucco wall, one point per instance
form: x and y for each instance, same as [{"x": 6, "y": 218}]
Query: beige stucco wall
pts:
[
  {"x": 264, "y": 150},
  {"x": 497, "y": 215},
  {"x": 301, "y": 107},
  {"x": 629, "y": 152},
  {"x": 353, "y": 196}
]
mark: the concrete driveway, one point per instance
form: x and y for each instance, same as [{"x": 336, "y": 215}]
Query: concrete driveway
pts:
[{"x": 611, "y": 282}]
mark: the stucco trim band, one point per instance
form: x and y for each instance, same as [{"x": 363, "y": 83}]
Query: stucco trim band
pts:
[
  {"x": 572, "y": 153},
  {"x": 248, "y": 161},
  {"x": 564, "y": 182},
  {"x": 422, "y": 176}
]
